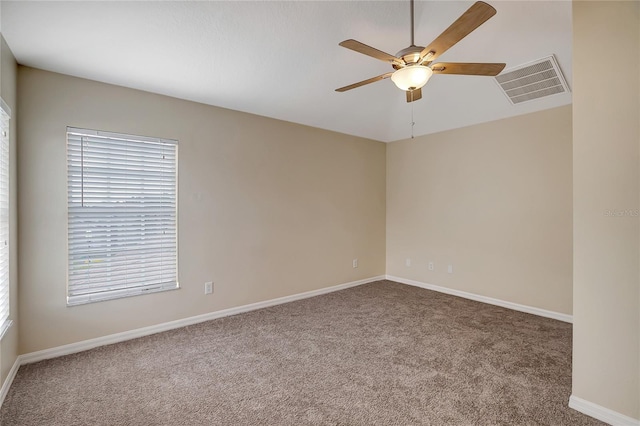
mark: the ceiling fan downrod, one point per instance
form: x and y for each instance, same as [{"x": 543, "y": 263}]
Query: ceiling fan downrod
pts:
[{"x": 412, "y": 26}]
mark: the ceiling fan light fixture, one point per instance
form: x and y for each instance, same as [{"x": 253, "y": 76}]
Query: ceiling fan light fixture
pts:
[{"x": 412, "y": 77}]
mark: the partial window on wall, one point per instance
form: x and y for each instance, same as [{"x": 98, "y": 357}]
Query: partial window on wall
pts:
[
  {"x": 5, "y": 302},
  {"x": 122, "y": 208}
]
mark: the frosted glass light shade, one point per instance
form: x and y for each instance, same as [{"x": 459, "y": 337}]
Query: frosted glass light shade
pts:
[{"x": 411, "y": 77}]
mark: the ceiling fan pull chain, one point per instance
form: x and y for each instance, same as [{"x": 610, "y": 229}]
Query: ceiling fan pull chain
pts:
[{"x": 413, "y": 123}]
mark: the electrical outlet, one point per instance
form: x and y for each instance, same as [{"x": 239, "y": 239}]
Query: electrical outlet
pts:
[
  {"x": 208, "y": 287},
  {"x": 407, "y": 262},
  {"x": 355, "y": 263},
  {"x": 431, "y": 267},
  {"x": 450, "y": 269}
]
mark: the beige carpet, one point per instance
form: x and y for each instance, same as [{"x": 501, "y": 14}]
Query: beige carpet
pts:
[{"x": 378, "y": 354}]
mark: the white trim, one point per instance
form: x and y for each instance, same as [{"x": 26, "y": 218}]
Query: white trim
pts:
[
  {"x": 601, "y": 413},
  {"x": 4, "y": 390},
  {"x": 484, "y": 299},
  {"x": 145, "y": 331},
  {"x": 4, "y": 328},
  {"x": 4, "y": 107}
]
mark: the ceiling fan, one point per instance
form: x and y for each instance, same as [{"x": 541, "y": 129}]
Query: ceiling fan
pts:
[{"x": 414, "y": 65}]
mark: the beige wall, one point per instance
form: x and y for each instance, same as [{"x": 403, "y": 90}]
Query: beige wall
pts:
[
  {"x": 266, "y": 208},
  {"x": 606, "y": 173},
  {"x": 494, "y": 201},
  {"x": 269, "y": 208},
  {"x": 8, "y": 77}
]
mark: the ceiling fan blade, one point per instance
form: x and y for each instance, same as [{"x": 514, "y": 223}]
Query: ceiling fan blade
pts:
[
  {"x": 414, "y": 95},
  {"x": 475, "y": 16},
  {"x": 467, "y": 68},
  {"x": 370, "y": 51},
  {"x": 362, "y": 83}
]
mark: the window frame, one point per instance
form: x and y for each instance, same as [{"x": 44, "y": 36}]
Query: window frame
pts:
[
  {"x": 82, "y": 216},
  {"x": 5, "y": 225}
]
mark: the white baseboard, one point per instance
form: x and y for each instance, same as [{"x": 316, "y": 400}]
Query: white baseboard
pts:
[
  {"x": 579, "y": 404},
  {"x": 141, "y": 332},
  {"x": 485, "y": 299},
  {"x": 4, "y": 390},
  {"x": 601, "y": 413}
]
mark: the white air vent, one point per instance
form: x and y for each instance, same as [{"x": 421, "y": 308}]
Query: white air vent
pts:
[{"x": 535, "y": 80}]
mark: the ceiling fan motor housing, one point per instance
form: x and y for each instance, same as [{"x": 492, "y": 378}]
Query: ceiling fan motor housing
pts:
[{"x": 409, "y": 55}]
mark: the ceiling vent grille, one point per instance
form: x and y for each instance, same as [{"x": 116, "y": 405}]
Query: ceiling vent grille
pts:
[{"x": 531, "y": 81}]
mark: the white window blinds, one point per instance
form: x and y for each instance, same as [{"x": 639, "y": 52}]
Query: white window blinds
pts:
[
  {"x": 122, "y": 193},
  {"x": 4, "y": 219}
]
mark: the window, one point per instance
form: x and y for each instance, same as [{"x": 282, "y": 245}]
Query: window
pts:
[
  {"x": 122, "y": 209},
  {"x": 5, "y": 301}
]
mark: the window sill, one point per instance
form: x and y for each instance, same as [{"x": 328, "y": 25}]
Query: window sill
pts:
[{"x": 83, "y": 300}]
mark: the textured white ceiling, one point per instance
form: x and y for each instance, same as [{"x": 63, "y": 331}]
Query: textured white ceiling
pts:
[{"x": 282, "y": 60}]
